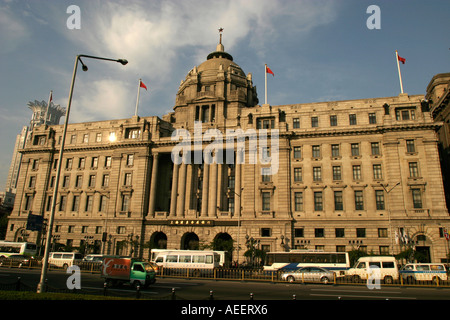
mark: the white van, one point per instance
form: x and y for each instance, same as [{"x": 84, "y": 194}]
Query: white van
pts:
[
  {"x": 64, "y": 259},
  {"x": 388, "y": 269},
  {"x": 413, "y": 272}
]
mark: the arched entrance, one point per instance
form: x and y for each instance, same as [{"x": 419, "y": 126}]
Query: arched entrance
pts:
[
  {"x": 189, "y": 241},
  {"x": 224, "y": 242},
  {"x": 422, "y": 248},
  {"x": 158, "y": 240}
]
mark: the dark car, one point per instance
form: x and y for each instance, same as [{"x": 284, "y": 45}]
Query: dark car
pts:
[{"x": 18, "y": 260}]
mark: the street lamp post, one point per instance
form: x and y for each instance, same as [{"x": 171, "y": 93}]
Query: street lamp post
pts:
[{"x": 41, "y": 286}]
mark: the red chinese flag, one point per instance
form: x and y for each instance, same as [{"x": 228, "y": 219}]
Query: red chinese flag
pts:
[
  {"x": 142, "y": 85},
  {"x": 402, "y": 60},
  {"x": 269, "y": 71}
]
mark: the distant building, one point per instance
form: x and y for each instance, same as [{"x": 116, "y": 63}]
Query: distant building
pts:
[
  {"x": 39, "y": 109},
  {"x": 356, "y": 174},
  {"x": 438, "y": 96}
]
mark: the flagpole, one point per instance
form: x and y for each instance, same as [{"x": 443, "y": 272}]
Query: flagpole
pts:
[
  {"x": 137, "y": 100},
  {"x": 399, "y": 73},
  {"x": 48, "y": 106},
  {"x": 265, "y": 75}
]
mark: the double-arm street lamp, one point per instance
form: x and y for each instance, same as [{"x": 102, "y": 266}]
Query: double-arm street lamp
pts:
[{"x": 41, "y": 285}]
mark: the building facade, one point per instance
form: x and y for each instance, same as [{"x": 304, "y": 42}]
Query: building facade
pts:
[
  {"x": 334, "y": 176},
  {"x": 41, "y": 114}
]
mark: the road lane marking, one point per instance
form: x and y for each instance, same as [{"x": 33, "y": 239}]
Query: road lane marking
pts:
[{"x": 359, "y": 296}]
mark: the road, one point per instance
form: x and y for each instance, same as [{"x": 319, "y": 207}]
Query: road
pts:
[{"x": 194, "y": 289}]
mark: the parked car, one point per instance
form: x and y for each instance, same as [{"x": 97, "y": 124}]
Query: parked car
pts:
[
  {"x": 309, "y": 274},
  {"x": 95, "y": 258},
  {"x": 413, "y": 272},
  {"x": 18, "y": 260},
  {"x": 383, "y": 267}
]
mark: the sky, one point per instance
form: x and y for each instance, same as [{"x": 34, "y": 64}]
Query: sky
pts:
[{"x": 319, "y": 50}]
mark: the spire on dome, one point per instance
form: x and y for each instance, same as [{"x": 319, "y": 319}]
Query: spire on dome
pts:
[
  {"x": 220, "y": 50},
  {"x": 220, "y": 47}
]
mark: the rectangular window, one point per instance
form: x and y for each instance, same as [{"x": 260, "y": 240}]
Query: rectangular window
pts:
[
  {"x": 355, "y": 149},
  {"x": 352, "y": 119},
  {"x": 105, "y": 180},
  {"x": 265, "y": 174},
  {"x": 89, "y": 201},
  {"x": 127, "y": 180},
  {"x": 296, "y": 123},
  {"x": 382, "y": 232},
  {"x": 335, "y": 150},
  {"x": 410, "y": 146},
  {"x": 360, "y": 232},
  {"x": 98, "y": 137},
  {"x": 417, "y": 198},
  {"x": 78, "y": 181},
  {"x": 356, "y": 172},
  {"x": 359, "y": 200},
  {"x": 379, "y": 199},
  {"x": 92, "y": 181},
  {"x": 297, "y": 152},
  {"x": 108, "y": 161},
  {"x": 81, "y": 163},
  {"x": 299, "y": 232},
  {"x": 298, "y": 174},
  {"x": 333, "y": 121},
  {"x": 339, "y": 232},
  {"x": 94, "y": 163},
  {"x": 319, "y": 232},
  {"x": 338, "y": 201},
  {"x": 231, "y": 205},
  {"x": 318, "y": 201},
  {"x": 372, "y": 118},
  {"x": 298, "y": 201},
  {"x": 69, "y": 164},
  {"x": 375, "y": 146},
  {"x": 266, "y": 201},
  {"x": 62, "y": 203},
  {"x": 125, "y": 202},
  {"x": 76, "y": 203},
  {"x": 337, "y": 175},
  {"x": 316, "y": 151},
  {"x": 317, "y": 173},
  {"x": 66, "y": 180},
  {"x": 85, "y": 138},
  {"x": 377, "y": 175},
  {"x": 413, "y": 170},
  {"x": 102, "y": 204},
  {"x": 314, "y": 122},
  {"x": 130, "y": 159}
]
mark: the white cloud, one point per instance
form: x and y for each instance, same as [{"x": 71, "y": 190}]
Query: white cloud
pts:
[
  {"x": 102, "y": 100},
  {"x": 155, "y": 36},
  {"x": 13, "y": 32}
]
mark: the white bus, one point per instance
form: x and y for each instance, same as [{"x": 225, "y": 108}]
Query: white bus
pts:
[
  {"x": 195, "y": 261},
  {"x": 222, "y": 254},
  {"x": 334, "y": 261},
  {"x": 8, "y": 247}
]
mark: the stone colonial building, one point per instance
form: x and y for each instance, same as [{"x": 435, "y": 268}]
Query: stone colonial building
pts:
[{"x": 334, "y": 176}]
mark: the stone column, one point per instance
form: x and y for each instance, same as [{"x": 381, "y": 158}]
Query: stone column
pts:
[
  {"x": 153, "y": 185},
  {"x": 237, "y": 190},
  {"x": 181, "y": 191},
  {"x": 212, "y": 200},
  {"x": 205, "y": 187},
  {"x": 174, "y": 194}
]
